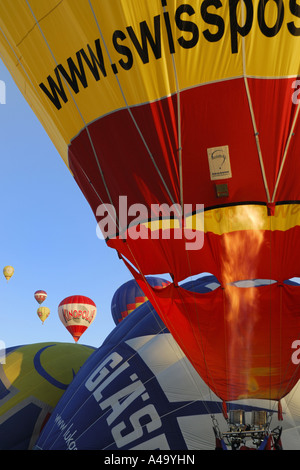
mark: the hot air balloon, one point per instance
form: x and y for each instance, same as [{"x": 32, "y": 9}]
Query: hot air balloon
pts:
[
  {"x": 40, "y": 296},
  {"x": 33, "y": 379},
  {"x": 77, "y": 313},
  {"x": 43, "y": 313},
  {"x": 8, "y": 272},
  {"x": 138, "y": 391},
  {"x": 166, "y": 120},
  {"x": 129, "y": 296}
]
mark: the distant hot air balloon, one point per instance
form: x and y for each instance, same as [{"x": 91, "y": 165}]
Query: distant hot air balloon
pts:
[
  {"x": 76, "y": 313},
  {"x": 40, "y": 296},
  {"x": 43, "y": 313},
  {"x": 8, "y": 271},
  {"x": 129, "y": 296}
]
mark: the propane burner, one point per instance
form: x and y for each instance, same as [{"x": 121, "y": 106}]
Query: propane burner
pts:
[{"x": 255, "y": 435}]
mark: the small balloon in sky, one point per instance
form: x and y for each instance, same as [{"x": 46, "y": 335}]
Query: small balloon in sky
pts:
[
  {"x": 8, "y": 271},
  {"x": 40, "y": 296},
  {"x": 43, "y": 313}
]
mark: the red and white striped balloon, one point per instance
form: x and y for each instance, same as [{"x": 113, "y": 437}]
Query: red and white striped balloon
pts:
[
  {"x": 40, "y": 296},
  {"x": 77, "y": 313}
]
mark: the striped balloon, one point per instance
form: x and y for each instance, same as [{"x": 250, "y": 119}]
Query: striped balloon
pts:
[
  {"x": 40, "y": 296},
  {"x": 129, "y": 296},
  {"x": 76, "y": 313}
]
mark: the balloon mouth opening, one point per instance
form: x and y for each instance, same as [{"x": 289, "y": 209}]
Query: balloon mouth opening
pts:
[{"x": 193, "y": 283}]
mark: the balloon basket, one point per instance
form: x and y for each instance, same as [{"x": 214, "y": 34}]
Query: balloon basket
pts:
[{"x": 241, "y": 435}]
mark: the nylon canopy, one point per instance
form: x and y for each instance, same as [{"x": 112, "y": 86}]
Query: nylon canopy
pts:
[{"x": 189, "y": 105}]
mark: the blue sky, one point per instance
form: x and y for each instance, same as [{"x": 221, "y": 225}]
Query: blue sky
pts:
[{"x": 48, "y": 234}]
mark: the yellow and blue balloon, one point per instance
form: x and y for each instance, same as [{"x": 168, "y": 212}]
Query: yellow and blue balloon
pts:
[{"x": 33, "y": 378}]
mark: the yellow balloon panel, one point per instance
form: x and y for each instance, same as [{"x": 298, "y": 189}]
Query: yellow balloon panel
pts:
[
  {"x": 8, "y": 272},
  {"x": 43, "y": 313},
  {"x": 39, "y": 367},
  {"x": 67, "y": 56},
  {"x": 33, "y": 379},
  {"x": 271, "y": 46}
]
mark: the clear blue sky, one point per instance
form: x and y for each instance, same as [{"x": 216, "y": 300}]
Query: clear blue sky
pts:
[{"x": 48, "y": 234}]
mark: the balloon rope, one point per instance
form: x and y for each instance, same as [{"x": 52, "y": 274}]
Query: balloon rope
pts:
[
  {"x": 280, "y": 329},
  {"x": 270, "y": 313},
  {"x": 114, "y": 217},
  {"x": 256, "y": 133},
  {"x": 178, "y": 125},
  {"x": 286, "y": 150}
]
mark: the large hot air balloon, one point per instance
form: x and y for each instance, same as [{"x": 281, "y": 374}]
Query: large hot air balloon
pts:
[
  {"x": 33, "y": 378},
  {"x": 8, "y": 272},
  {"x": 129, "y": 296},
  {"x": 138, "y": 391},
  {"x": 77, "y": 313},
  {"x": 40, "y": 296},
  {"x": 180, "y": 123}
]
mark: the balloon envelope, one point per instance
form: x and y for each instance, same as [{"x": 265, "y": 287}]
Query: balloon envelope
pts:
[
  {"x": 33, "y": 378},
  {"x": 77, "y": 313},
  {"x": 40, "y": 296},
  {"x": 43, "y": 313},
  {"x": 104, "y": 75},
  {"x": 8, "y": 272},
  {"x": 129, "y": 296}
]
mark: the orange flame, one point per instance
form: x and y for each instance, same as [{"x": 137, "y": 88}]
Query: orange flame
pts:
[{"x": 241, "y": 249}]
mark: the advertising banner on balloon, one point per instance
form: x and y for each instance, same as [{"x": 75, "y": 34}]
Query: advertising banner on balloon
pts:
[{"x": 77, "y": 313}]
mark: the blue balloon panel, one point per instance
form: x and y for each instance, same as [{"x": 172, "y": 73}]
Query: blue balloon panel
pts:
[{"x": 129, "y": 296}]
